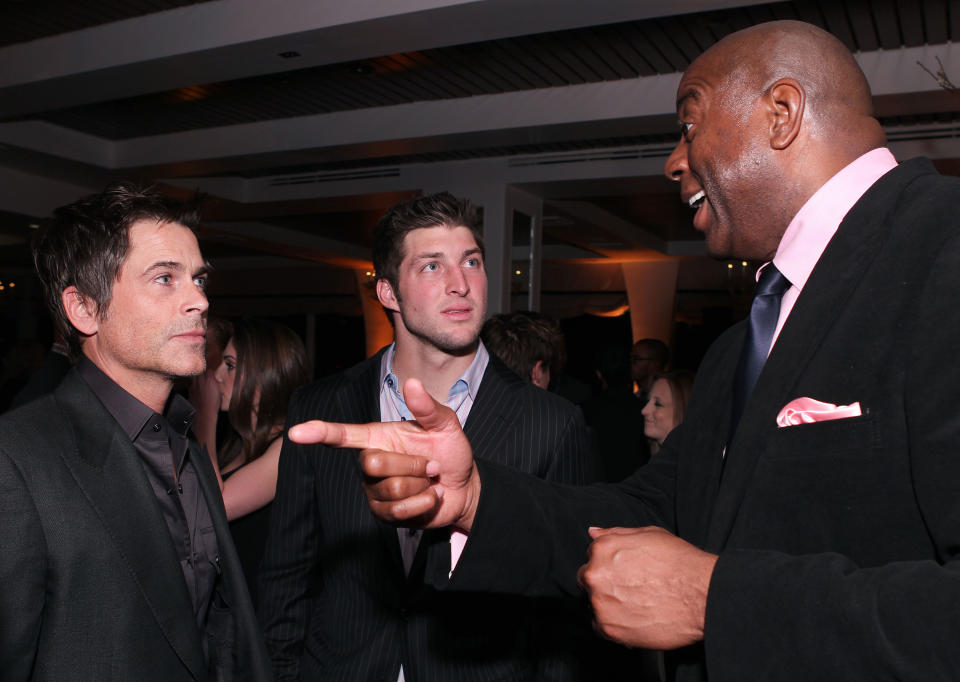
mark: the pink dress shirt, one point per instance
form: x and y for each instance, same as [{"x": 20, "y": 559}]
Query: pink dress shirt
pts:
[{"x": 817, "y": 221}]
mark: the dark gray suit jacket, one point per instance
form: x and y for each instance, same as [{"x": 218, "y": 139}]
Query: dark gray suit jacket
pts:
[
  {"x": 839, "y": 541},
  {"x": 90, "y": 584},
  {"x": 334, "y": 600}
]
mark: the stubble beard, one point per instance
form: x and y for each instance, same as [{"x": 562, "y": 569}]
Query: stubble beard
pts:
[
  {"x": 181, "y": 368},
  {"x": 444, "y": 342},
  {"x": 187, "y": 373}
]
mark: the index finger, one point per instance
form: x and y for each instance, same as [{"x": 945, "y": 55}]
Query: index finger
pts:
[
  {"x": 355, "y": 436},
  {"x": 597, "y": 532}
]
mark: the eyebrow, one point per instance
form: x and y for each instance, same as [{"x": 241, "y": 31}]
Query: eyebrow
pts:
[
  {"x": 164, "y": 265},
  {"x": 205, "y": 269},
  {"x": 689, "y": 93},
  {"x": 441, "y": 254}
]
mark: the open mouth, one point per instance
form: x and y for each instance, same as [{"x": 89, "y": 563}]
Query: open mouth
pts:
[{"x": 696, "y": 201}]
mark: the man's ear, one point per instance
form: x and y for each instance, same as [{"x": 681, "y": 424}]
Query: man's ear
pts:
[
  {"x": 386, "y": 295},
  {"x": 538, "y": 375},
  {"x": 787, "y": 100},
  {"x": 80, "y": 311}
]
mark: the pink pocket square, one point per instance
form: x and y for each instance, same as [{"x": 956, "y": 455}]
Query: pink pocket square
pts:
[{"x": 808, "y": 410}]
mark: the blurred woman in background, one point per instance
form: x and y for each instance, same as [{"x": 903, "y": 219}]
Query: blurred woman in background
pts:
[
  {"x": 262, "y": 364},
  {"x": 666, "y": 405}
]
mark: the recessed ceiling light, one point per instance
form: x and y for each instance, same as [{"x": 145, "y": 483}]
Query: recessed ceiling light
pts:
[{"x": 360, "y": 68}]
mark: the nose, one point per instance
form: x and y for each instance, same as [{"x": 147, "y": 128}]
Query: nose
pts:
[
  {"x": 457, "y": 282},
  {"x": 647, "y": 409},
  {"x": 676, "y": 164},
  {"x": 219, "y": 372},
  {"x": 196, "y": 302}
]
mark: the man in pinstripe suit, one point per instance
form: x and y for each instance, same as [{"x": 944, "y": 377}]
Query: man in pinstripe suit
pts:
[{"x": 342, "y": 593}]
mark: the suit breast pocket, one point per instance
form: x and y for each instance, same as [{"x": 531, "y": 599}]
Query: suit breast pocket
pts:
[
  {"x": 838, "y": 485},
  {"x": 851, "y": 437}
]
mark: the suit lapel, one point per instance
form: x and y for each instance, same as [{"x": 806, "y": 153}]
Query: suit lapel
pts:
[
  {"x": 108, "y": 471},
  {"x": 496, "y": 406},
  {"x": 704, "y": 433},
  {"x": 359, "y": 398},
  {"x": 826, "y": 294}
]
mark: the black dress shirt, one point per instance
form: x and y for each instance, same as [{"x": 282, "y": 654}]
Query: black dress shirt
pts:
[{"x": 162, "y": 443}]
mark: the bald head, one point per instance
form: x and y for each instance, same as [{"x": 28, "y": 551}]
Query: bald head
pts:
[
  {"x": 768, "y": 115},
  {"x": 838, "y": 106}
]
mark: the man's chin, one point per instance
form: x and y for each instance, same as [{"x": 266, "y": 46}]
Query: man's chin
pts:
[
  {"x": 186, "y": 370},
  {"x": 456, "y": 345},
  {"x": 719, "y": 249}
]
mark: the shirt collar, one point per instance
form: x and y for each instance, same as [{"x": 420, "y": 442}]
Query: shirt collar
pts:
[
  {"x": 474, "y": 374},
  {"x": 468, "y": 382},
  {"x": 817, "y": 221},
  {"x": 131, "y": 414}
]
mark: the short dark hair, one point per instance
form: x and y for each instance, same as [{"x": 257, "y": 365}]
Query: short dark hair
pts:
[
  {"x": 434, "y": 210},
  {"x": 657, "y": 347},
  {"x": 271, "y": 363},
  {"x": 521, "y": 339},
  {"x": 85, "y": 243}
]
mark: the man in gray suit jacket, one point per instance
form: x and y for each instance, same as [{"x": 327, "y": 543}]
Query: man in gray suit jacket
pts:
[
  {"x": 342, "y": 595},
  {"x": 818, "y": 536},
  {"x": 117, "y": 562}
]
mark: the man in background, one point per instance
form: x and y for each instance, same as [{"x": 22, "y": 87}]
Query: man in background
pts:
[
  {"x": 615, "y": 415},
  {"x": 529, "y": 343},
  {"x": 648, "y": 358}
]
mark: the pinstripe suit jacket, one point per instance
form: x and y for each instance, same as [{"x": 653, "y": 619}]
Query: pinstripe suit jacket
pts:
[{"x": 335, "y": 603}]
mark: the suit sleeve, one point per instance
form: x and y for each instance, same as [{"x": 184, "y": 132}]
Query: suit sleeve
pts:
[
  {"x": 530, "y": 535},
  {"x": 22, "y": 574},
  {"x": 821, "y": 616},
  {"x": 562, "y": 636},
  {"x": 290, "y": 554}
]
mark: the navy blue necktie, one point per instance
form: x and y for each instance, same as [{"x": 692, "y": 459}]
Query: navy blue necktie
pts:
[{"x": 764, "y": 314}]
